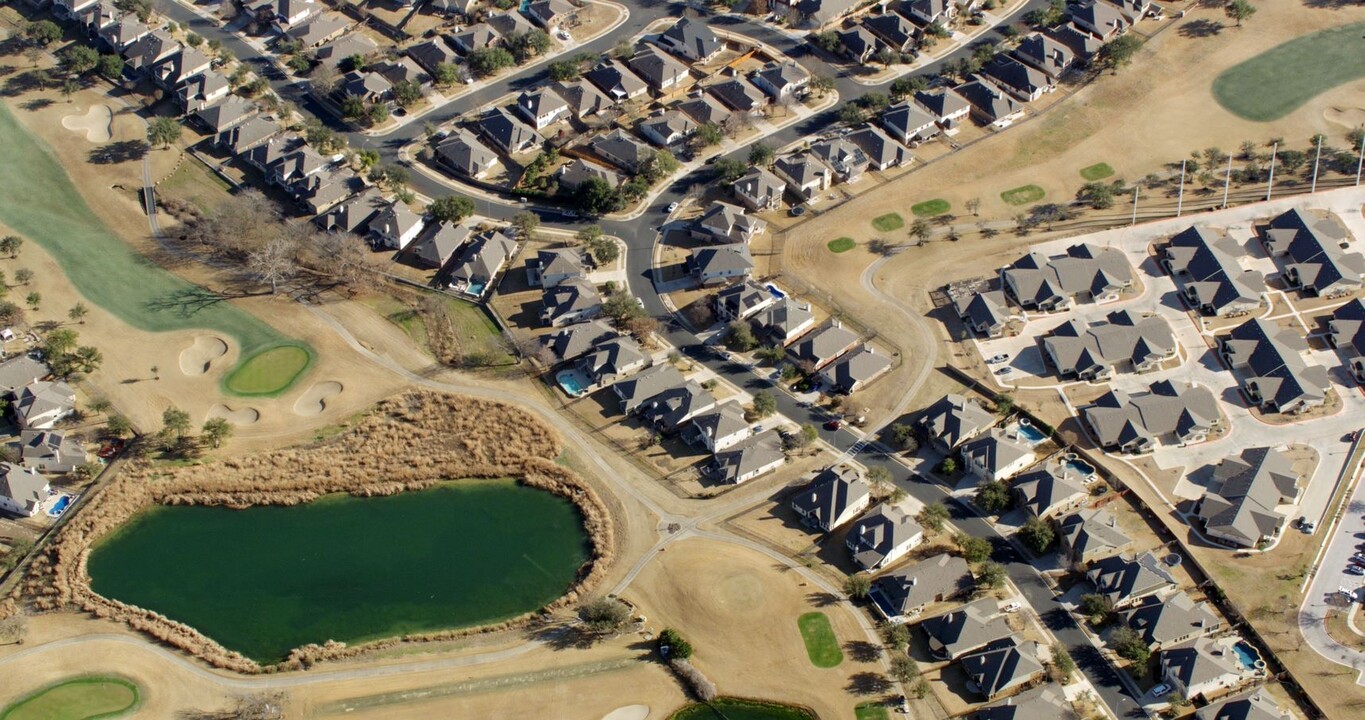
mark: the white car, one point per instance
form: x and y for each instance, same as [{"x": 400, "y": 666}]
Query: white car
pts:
[
  {"x": 1012, "y": 607},
  {"x": 672, "y": 207},
  {"x": 997, "y": 359},
  {"x": 1161, "y": 690}
]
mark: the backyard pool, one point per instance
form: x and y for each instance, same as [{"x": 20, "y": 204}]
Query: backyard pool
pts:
[
  {"x": 775, "y": 292},
  {"x": 61, "y": 505},
  {"x": 1080, "y": 467},
  {"x": 1030, "y": 434},
  {"x": 572, "y": 382},
  {"x": 1248, "y": 655}
]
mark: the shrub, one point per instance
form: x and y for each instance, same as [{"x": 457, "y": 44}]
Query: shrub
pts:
[
  {"x": 1061, "y": 659},
  {"x": 904, "y": 668},
  {"x": 1130, "y": 646},
  {"x": 702, "y": 687},
  {"x": 1037, "y": 534},
  {"x": 994, "y": 497},
  {"x": 990, "y": 576},
  {"x": 678, "y": 647},
  {"x": 857, "y": 586},
  {"x": 604, "y": 616}
]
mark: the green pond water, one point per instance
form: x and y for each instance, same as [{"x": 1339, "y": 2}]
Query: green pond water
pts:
[{"x": 268, "y": 579}]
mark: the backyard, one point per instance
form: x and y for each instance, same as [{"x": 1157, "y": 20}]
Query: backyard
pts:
[{"x": 1279, "y": 80}]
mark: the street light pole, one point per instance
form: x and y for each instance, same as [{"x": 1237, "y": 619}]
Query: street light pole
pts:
[
  {"x": 1270, "y": 187},
  {"x": 1360, "y": 162},
  {"x": 1133, "y": 221},
  {"x": 1227, "y": 180},
  {"x": 1316, "y": 158},
  {"x": 1180, "y": 197}
]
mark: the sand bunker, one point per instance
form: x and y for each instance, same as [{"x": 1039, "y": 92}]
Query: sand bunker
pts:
[
  {"x": 97, "y": 123},
  {"x": 1349, "y": 117},
  {"x": 244, "y": 416},
  {"x": 314, "y": 401},
  {"x": 198, "y": 358},
  {"x": 629, "y": 712}
]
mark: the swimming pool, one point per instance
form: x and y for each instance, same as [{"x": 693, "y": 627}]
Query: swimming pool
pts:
[
  {"x": 772, "y": 289},
  {"x": 1030, "y": 434},
  {"x": 475, "y": 289},
  {"x": 570, "y": 382},
  {"x": 1250, "y": 658},
  {"x": 60, "y": 507},
  {"x": 1080, "y": 467}
]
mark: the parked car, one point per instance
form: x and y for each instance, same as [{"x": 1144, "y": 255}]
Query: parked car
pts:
[
  {"x": 1011, "y": 607},
  {"x": 1307, "y": 527},
  {"x": 672, "y": 207},
  {"x": 1355, "y": 570},
  {"x": 997, "y": 359},
  {"x": 834, "y": 424},
  {"x": 1004, "y": 370},
  {"x": 1161, "y": 690}
]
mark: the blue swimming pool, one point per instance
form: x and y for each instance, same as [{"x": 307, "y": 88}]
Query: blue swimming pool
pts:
[
  {"x": 62, "y": 503},
  {"x": 1080, "y": 467},
  {"x": 1250, "y": 658},
  {"x": 772, "y": 289},
  {"x": 475, "y": 289},
  {"x": 1030, "y": 434},
  {"x": 569, "y": 381}
]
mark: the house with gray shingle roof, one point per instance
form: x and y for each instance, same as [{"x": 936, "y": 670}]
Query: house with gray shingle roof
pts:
[
  {"x": 929, "y": 12},
  {"x": 966, "y": 629},
  {"x": 742, "y": 300},
  {"x": 1163, "y": 622},
  {"x": 550, "y": 14},
  {"x": 991, "y": 104},
  {"x": 782, "y": 79},
  {"x": 883, "y": 536},
  {"x": 553, "y": 266},
  {"x": 634, "y": 391},
  {"x": 48, "y": 451},
  {"x": 180, "y": 67},
  {"x": 946, "y": 106},
  {"x": 121, "y": 34},
  {"x": 821, "y": 347},
  {"x": 205, "y": 89},
  {"x": 739, "y": 95},
  {"x": 42, "y": 404},
  {"x": 903, "y": 594},
  {"x": 621, "y": 149},
  {"x": 1346, "y": 333},
  {"x": 1045, "y": 53},
  {"x": 996, "y": 455},
  {"x": 785, "y": 321},
  {"x": 321, "y": 29},
  {"x": 855, "y": 369},
  {"x": 1099, "y": 18},
  {"x": 149, "y": 50},
  {"x": 817, "y": 13},
  {"x": 1239, "y": 507},
  {"x": 1044, "y": 701},
  {"x": 465, "y": 154},
  {"x": 1274, "y": 373},
  {"x": 1091, "y": 534},
  {"x": 668, "y": 128},
  {"x": 353, "y": 214},
  {"x": 440, "y": 241},
  {"x": 804, "y": 174},
  {"x": 22, "y": 491},
  {"x": 954, "y": 420},
  {"x": 231, "y": 110},
  {"x": 583, "y": 97},
  {"x": 706, "y": 110},
  {"x": 909, "y": 123},
  {"x": 1081, "y": 42},
  {"x": 479, "y": 36},
  {"x": 396, "y": 225},
  {"x": 433, "y": 53},
  {"x": 858, "y": 43},
  {"x": 691, "y": 39},
  {"x": 1085, "y": 273},
  {"x": 896, "y": 31},
  {"x": 1025, "y": 82},
  {"x": 19, "y": 372},
  {"x": 571, "y": 301},
  {"x": 617, "y": 81},
  {"x": 1255, "y": 704},
  {"x": 1309, "y": 246},
  {"x": 319, "y": 192},
  {"x": 578, "y": 171},
  {"x": 749, "y": 459},
  {"x": 1203, "y": 667},
  {"x": 508, "y": 23},
  {"x": 760, "y": 190},
  {"x": 835, "y": 496},
  {"x": 241, "y": 138},
  {"x": 721, "y": 263},
  {"x": 846, "y": 159},
  {"x": 720, "y": 428},
  {"x": 611, "y": 359},
  {"x": 880, "y": 150},
  {"x": 1169, "y": 413},
  {"x": 575, "y": 341},
  {"x": 542, "y": 107},
  {"x": 1001, "y": 667},
  {"x": 480, "y": 262},
  {"x": 659, "y": 69},
  {"x": 1050, "y": 491},
  {"x": 1123, "y": 581},
  {"x": 726, "y": 223},
  {"x": 342, "y": 49},
  {"x": 1203, "y": 262},
  {"x": 1123, "y": 342},
  {"x": 507, "y": 132},
  {"x": 269, "y": 154},
  {"x": 986, "y": 313}
]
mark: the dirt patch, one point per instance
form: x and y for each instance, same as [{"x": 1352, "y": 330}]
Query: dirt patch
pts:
[
  {"x": 314, "y": 400},
  {"x": 199, "y": 357},
  {"x": 97, "y": 123},
  {"x": 240, "y": 416}
]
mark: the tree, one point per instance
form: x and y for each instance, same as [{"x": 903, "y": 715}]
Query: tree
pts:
[
  {"x": 407, "y": 93},
  {"x": 604, "y": 616},
  {"x": 596, "y": 196},
  {"x": 69, "y": 88},
  {"x": 1239, "y": 10},
  {"x": 217, "y": 430},
  {"x": 59, "y": 342},
  {"x": 353, "y": 108},
  {"x": 110, "y": 67},
  {"x": 43, "y": 32},
  {"x": 906, "y": 86},
  {"x": 804, "y": 437},
  {"x": 118, "y": 426},
  {"x": 1130, "y": 646},
  {"x": 1098, "y": 195},
  {"x": 526, "y": 222},
  {"x": 1095, "y": 606},
  {"x": 994, "y": 497},
  {"x": 761, "y": 155},
  {"x": 896, "y": 636},
  {"x": 857, "y": 585},
  {"x": 974, "y": 549},
  {"x": 740, "y": 336},
  {"x": 451, "y": 208},
  {"x": 85, "y": 359},
  {"x": 78, "y": 59},
  {"x": 1119, "y": 52},
  {"x": 948, "y": 466},
  {"x": 920, "y": 230},
  {"x": 728, "y": 171},
  {"x": 904, "y": 668},
  {"x": 324, "y": 79},
  {"x": 34, "y": 299},
  {"x": 878, "y": 476},
  {"x": 1061, "y": 659},
  {"x": 446, "y": 74},
  {"x": 604, "y": 250},
  {"x": 828, "y": 41},
  {"x": 163, "y": 131},
  {"x": 973, "y": 205},
  {"x": 488, "y": 61},
  {"x": 1037, "y": 534},
  {"x": 707, "y": 135},
  {"x": 673, "y": 644},
  {"x": 565, "y": 70},
  {"x": 933, "y": 516},
  {"x": 175, "y": 421},
  {"x": 764, "y": 403},
  {"x": 1004, "y": 404},
  {"x": 10, "y": 245},
  {"x": 77, "y": 313},
  {"x": 990, "y": 575},
  {"x": 904, "y": 437}
]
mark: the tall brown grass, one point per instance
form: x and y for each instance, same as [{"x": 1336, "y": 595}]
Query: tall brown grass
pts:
[{"x": 406, "y": 443}]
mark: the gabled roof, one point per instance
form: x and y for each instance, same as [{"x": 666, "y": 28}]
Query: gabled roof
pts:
[
  {"x": 856, "y": 367},
  {"x": 831, "y": 494},
  {"x": 24, "y": 487},
  {"x": 475, "y": 37},
  {"x": 561, "y": 261},
  {"x": 47, "y": 449},
  {"x": 825, "y": 344},
  {"x": 1245, "y": 493},
  {"x": 876, "y": 535},
  {"x": 738, "y": 94},
  {"x": 840, "y": 154},
  {"x": 1120, "y": 579},
  {"x": 1347, "y": 330},
  {"x": 879, "y": 148},
  {"x": 240, "y": 138},
  {"x": 354, "y": 215},
  {"x": 858, "y": 41},
  {"x": 1045, "y": 52},
  {"x": 1123, "y": 419},
  {"x": 785, "y": 316},
  {"x": 433, "y": 53},
  {"x": 1164, "y": 620},
  {"x": 464, "y": 151},
  {"x": 760, "y": 185},
  {"x": 1002, "y": 665},
  {"x": 1206, "y": 260},
  {"x": 1092, "y": 532},
  {"x": 1102, "y": 15},
  {"x": 637, "y": 389},
  {"x": 722, "y": 218},
  {"x": 508, "y": 131},
  {"x": 507, "y": 23},
  {"x": 1311, "y": 245},
  {"x": 484, "y": 256},
  {"x": 1122, "y": 337},
  {"x": 1011, "y": 73},
  {"x": 576, "y": 340},
  {"x": 989, "y": 99},
  {"x": 657, "y": 67},
  {"x": 907, "y": 118},
  {"x": 339, "y": 50},
  {"x": 693, "y": 38},
  {"x": 954, "y": 418},
  {"x": 962, "y": 630},
  {"x": 674, "y": 406},
  {"x": 988, "y": 308},
  {"x": 616, "y": 80},
  {"x": 225, "y": 113},
  {"x": 919, "y": 584},
  {"x": 583, "y": 97},
  {"x": 440, "y": 241},
  {"x": 1040, "y": 703},
  {"x": 720, "y": 259},
  {"x": 749, "y": 456},
  {"x": 1084, "y": 268},
  {"x": 402, "y": 69},
  {"x": 995, "y": 450},
  {"x": 671, "y": 126},
  {"x": 1200, "y": 661},
  {"x": 574, "y": 295},
  {"x": 579, "y": 171},
  {"x": 743, "y": 299},
  {"x": 801, "y": 168},
  {"x": 705, "y": 110},
  {"x": 622, "y": 149},
  {"x": 785, "y": 76},
  {"x": 396, "y": 220},
  {"x": 895, "y": 29},
  {"x": 943, "y": 103},
  {"x": 723, "y": 420},
  {"x": 314, "y": 31},
  {"x": 1254, "y": 704},
  {"x": 20, "y": 371},
  {"x": 550, "y": 11},
  {"x": 1044, "y": 490},
  {"x": 41, "y": 400},
  {"x": 541, "y": 101},
  {"x": 1271, "y": 357}
]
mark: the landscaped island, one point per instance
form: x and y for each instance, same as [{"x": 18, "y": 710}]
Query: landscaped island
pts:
[{"x": 294, "y": 585}]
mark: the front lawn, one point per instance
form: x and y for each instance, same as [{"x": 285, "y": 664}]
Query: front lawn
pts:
[
  {"x": 1279, "y": 80},
  {"x": 888, "y": 222},
  {"x": 1023, "y": 195},
  {"x": 821, "y": 644},
  {"x": 840, "y": 245},
  {"x": 930, "y": 208},
  {"x": 1098, "y": 171}
]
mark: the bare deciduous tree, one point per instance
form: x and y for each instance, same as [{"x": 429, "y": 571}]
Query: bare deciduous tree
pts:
[{"x": 275, "y": 262}]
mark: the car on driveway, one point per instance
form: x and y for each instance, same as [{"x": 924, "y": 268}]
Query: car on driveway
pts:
[
  {"x": 1161, "y": 690},
  {"x": 997, "y": 359},
  {"x": 1012, "y": 607},
  {"x": 1004, "y": 370},
  {"x": 672, "y": 207}
]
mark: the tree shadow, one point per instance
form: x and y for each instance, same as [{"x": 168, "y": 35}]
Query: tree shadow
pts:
[
  {"x": 863, "y": 651},
  {"x": 868, "y": 683},
  {"x": 36, "y": 104},
  {"x": 185, "y": 303},
  {"x": 1201, "y": 28},
  {"x": 822, "y": 599},
  {"x": 22, "y": 83},
  {"x": 119, "y": 152}
]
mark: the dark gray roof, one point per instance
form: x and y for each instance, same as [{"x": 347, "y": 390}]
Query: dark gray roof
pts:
[
  {"x": 1092, "y": 531},
  {"x": 738, "y": 94},
  {"x": 25, "y": 487},
  {"x": 879, "y": 148},
  {"x": 611, "y": 359},
  {"x": 1046, "y": 53},
  {"x": 622, "y": 149},
  {"x": 825, "y": 344},
  {"x": 1254, "y": 704},
  {"x": 507, "y": 131},
  {"x": 875, "y": 536},
  {"x": 705, "y": 110},
  {"x": 1200, "y": 661},
  {"x": 830, "y": 495},
  {"x": 1044, "y": 702},
  {"x": 354, "y": 214},
  {"x": 337, "y": 51},
  {"x": 433, "y": 53},
  {"x": 1347, "y": 330},
  {"x": 1165, "y": 620},
  {"x": 895, "y": 29},
  {"x": 1270, "y": 359},
  {"x": 572, "y": 296},
  {"x": 509, "y": 22},
  {"x": 1002, "y": 665},
  {"x": 760, "y": 185},
  {"x": 657, "y": 67},
  {"x": 856, "y": 367},
  {"x": 1310, "y": 244},
  {"x": 463, "y": 151},
  {"x": 439, "y": 241},
  {"x": 692, "y": 38},
  {"x": 784, "y": 316},
  {"x": 483, "y": 257},
  {"x": 670, "y": 126},
  {"x": 20, "y": 371},
  {"x": 1044, "y": 490},
  {"x": 907, "y": 118},
  {"x": 1140, "y": 420},
  {"x": 639, "y": 388},
  {"x": 1084, "y": 268},
  {"x": 1123, "y": 337},
  {"x": 749, "y": 456},
  {"x": 225, "y": 113},
  {"x": 583, "y": 97},
  {"x": 995, "y": 450},
  {"x": 475, "y": 37},
  {"x": 941, "y": 103},
  {"x": 940, "y": 576},
  {"x": 989, "y": 309},
  {"x": 722, "y": 259},
  {"x": 1205, "y": 263},
  {"x": 1010, "y": 73},
  {"x": 575, "y": 340},
  {"x": 992, "y": 102},
  {"x": 579, "y": 171},
  {"x": 1121, "y": 579},
  {"x": 674, "y": 406},
  {"x": 721, "y": 421},
  {"x": 954, "y": 419},
  {"x": 616, "y": 80},
  {"x": 743, "y": 299},
  {"x": 962, "y": 630}
]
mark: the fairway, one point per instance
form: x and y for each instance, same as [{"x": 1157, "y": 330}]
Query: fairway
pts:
[
  {"x": 42, "y": 205},
  {"x": 930, "y": 208},
  {"x": 888, "y": 222},
  {"x": 268, "y": 372},
  {"x": 821, "y": 644},
  {"x": 79, "y": 699},
  {"x": 840, "y": 245},
  {"x": 1098, "y": 171},
  {"x": 1279, "y": 80},
  {"x": 1023, "y": 195}
]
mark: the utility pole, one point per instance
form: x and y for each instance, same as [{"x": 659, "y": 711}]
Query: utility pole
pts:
[
  {"x": 1270, "y": 187},
  {"x": 1227, "y": 180},
  {"x": 1133, "y": 221},
  {"x": 1180, "y": 197},
  {"x": 1360, "y": 162},
  {"x": 1316, "y": 158}
]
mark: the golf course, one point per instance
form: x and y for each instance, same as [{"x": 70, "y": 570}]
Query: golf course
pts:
[{"x": 1279, "y": 80}]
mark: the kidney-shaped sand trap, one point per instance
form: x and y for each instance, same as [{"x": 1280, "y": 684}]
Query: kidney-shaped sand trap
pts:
[
  {"x": 629, "y": 712},
  {"x": 243, "y": 416},
  {"x": 1347, "y": 117},
  {"x": 97, "y": 123},
  {"x": 198, "y": 358},
  {"x": 314, "y": 401}
]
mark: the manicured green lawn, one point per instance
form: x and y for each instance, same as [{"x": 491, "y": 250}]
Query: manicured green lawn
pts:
[
  {"x": 821, "y": 644},
  {"x": 930, "y": 208},
  {"x": 1023, "y": 195},
  {"x": 839, "y": 245},
  {"x": 736, "y": 709},
  {"x": 1279, "y": 80},
  {"x": 871, "y": 711},
  {"x": 1098, "y": 171},
  {"x": 268, "y": 372},
  {"x": 78, "y": 699},
  {"x": 42, "y": 205},
  {"x": 888, "y": 222}
]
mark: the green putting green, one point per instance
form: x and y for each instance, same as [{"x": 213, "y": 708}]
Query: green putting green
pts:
[
  {"x": 1279, "y": 80},
  {"x": 1098, "y": 171},
  {"x": 268, "y": 372},
  {"x": 839, "y": 245},
  {"x": 930, "y": 208},
  {"x": 736, "y": 709},
  {"x": 871, "y": 711},
  {"x": 821, "y": 644},
  {"x": 1023, "y": 195},
  {"x": 888, "y": 222},
  {"x": 86, "y": 698}
]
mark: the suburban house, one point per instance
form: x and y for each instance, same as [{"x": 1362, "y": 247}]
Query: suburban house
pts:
[
  {"x": 49, "y": 451},
  {"x": 946, "y": 106},
  {"x": 834, "y": 497},
  {"x": 550, "y": 14},
  {"x": 1099, "y": 18},
  {"x": 611, "y": 360},
  {"x": 584, "y": 99},
  {"x": 817, "y": 13},
  {"x": 440, "y": 241},
  {"x": 720, "y": 428},
  {"x": 402, "y": 70},
  {"x": 339, "y": 52},
  {"x": 319, "y": 30},
  {"x": 1203, "y": 263},
  {"x": 218, "y": 117},
  {"x": 122, "y": 33},
  {"x": 616, "y": 80},
  {"x": 1044, "y": 701},
  {"x": 1274, "y": 374},
  {"x": 354, "y": 214},
  {"x": 1051, "y": 491},
  {"x": 854, "y": 370},
  {"x": 507, "y": 132},
  {"x": 42, "y": 404},
  {"x": 396, "y": 225},
  {"x": 448, "y": 8},
  {"x": 909, "y": 123},
  {"x": 1084, "y": 273},
  {"x": 902, "y": 595},
  {"x": 267, "y": 155},
  {"x": 726, "y": 223},
  {"x": 1045, "y": 53},
  {"x": 739, "y": 95},
  {"x": 1124, "y": 582},
  {"x": 1089, "y": 535},
  {"x": 634, "y": 391},
  {"x": 70, "y": 9},
  {"x": 621, "y": 149},
  {"x": 147, "y": 51},
  {"x": 1346, "y": 333},
  {"x": 578, "y": 171},
  {"x": 782, "y": 80},
  {"x": 1203, "y": 667},
  {"x": 748, "y": 459},
  {"x": 241, "y": 138},
  {"x": 433, "y": 53},
  {"x": 1079, "y": 41},
  {"x": 1169, "y": 413},
  {"x": 1238, "y": 508},
  {"x": 1123, "y": 342},
  {"x": 954, "y": 420},
  {"x": 785, "y": 321},
  {"x": 371, "y": 87},
  {"x": 721, "y": 263},
  {"x": 930, "y": 12},
  {"x": 760, "y": 190},
  {"x": 804, "y": 174},
  {"x": 894, "y": 30},
  {"x": 821, "y": 347},
  {"x": 542, "y": 107},
  {"x": 706, "y": 110},
  {"x": 659, "y": 70},
  {"x": 568, "y": 302},
  {"x": 282, "y": 14},
  {"x": 22, "y": 491},
  {"x": 1163, "y": 622},
  {"x": 320, "y": 192},
  {"x": 480, "y": 262},
  {"x": 466, "y": 155},
  {"x": 1024, "y": 82},
  {"x": 509, "y": 23},
  {"x": 1254, "y": 704},
  {"x": 691, "y": 39},
  {"x": 846, "y": 159},
  {"x": 669, "y": 410},
  {"x": 996, "y": 455},
  {"x": 555, "y": 265},
  {"x": 858, "y": 43},
  {"x": 1308, "y": 246},
  {"x": 1001, "y": 667},
  {"x": 883, "y": 536},
  {"x": 991, "y": 105},
  {"x": 965, "y": 629},
  {"x": 880, "y": 150},
  {"x": 575, "y": 341},
  {"x": 1136, "y": 10},
  {"x": 986, "y": 313},
  {"x": 203, "y": 90},
  {"x": 742, "y": 300},
  {"x": 668, "y": 128}
]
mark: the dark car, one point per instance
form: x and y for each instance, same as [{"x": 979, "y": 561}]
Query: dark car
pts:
[{"x": 834, "y": 424}]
